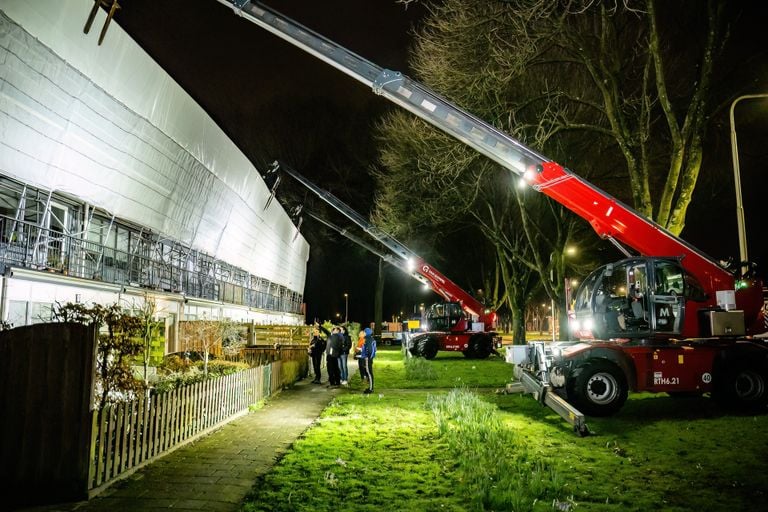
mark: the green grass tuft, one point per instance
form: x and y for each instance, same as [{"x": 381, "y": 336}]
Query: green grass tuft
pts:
[
  {"x": 256, "y": 406},
  {"x": 496, "y": 469},
  {"x": 419, "y": 369}
]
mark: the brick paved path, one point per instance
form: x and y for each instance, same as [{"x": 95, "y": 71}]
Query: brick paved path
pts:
[{"x": 215, "y": 472}]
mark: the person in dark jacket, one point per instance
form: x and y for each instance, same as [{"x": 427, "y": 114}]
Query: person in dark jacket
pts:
[
  {"x": 332, "y": 354},
  {"x": 346, "y": 346},
  {"x": 367, "y": 355},
  {"x": 316, "y": 350}
]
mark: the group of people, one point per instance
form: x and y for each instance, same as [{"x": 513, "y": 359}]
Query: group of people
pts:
[{"x": 336, "y": 348}]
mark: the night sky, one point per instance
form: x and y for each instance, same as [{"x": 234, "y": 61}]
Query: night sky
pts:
[{"x": 275, "y": 101}]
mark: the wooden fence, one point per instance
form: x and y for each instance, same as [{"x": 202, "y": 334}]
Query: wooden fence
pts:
[
  {"x": 195, "y": 335},
  {"x": 46, "y": 373},
  {"x": 259, "y": 355},
  {"x": 279, "y": 334},
  {"x": 130, "y": 434}
]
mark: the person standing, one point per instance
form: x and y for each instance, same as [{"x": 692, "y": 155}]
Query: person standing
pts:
[
  {"x": 316, "y": 349},
  {"x": 346, "y": 346},
  {"x": 358, "y": 352},
  {"x": 367, "y": 355},
  {"x": 332, "y": 353}
]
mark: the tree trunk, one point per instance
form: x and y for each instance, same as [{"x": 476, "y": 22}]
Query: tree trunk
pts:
[
  {"x": 147, "y": 348},
  {"x": 518, "y": 324},
  {"x": 379, "y": 298},
  {"x": 563, "y": 324}
]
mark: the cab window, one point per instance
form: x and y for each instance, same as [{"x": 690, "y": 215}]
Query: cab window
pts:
[
  {"x": 669, "y": 279},
  {"x": 672, "y": 279},
  {"x": 693, "y": 289},
  {"x": 584, "y": 293}
]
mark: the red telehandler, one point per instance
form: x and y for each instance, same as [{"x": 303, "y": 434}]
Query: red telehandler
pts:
[
  {"x": 460, "y": 324},
  {"x": 669, "y": 319}
]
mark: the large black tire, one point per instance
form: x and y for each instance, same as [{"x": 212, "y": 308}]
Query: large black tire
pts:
[
  {"x": 424, "y": 346},
  {"x": 480, "y": 347},
  {"x": 742, "y": 385},
  {"x": 598, "y": 388}
]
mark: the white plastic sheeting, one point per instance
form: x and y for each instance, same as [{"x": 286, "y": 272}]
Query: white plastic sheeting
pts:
[{"x": 107, "y": 125}]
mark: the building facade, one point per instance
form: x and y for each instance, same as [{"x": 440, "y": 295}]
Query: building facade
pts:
[{"x": 116, "y": 186}]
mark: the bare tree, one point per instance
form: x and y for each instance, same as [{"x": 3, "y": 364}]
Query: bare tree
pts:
[
  {"x": 148, "y": 329},
  {"x": 206, "y": 335},
  {"x": 432, "y": 184},
  {"x": 615, "y": 71},
  {"x": 202, "y": 335}
]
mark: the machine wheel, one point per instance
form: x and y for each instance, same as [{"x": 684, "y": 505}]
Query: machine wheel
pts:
[
  {"x": 424, "y": 346},
  {"x": 742, "y": 386},
  {"x": 479, "y": 347},
  {"x": 598, "y": 388}
]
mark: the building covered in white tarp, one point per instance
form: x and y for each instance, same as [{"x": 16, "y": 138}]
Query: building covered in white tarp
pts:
[{"x": 115, "y": 184}]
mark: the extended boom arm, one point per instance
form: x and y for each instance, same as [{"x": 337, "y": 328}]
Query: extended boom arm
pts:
[
  {"x": 610, "y": 218},
  {"x": 410, "y": 262}
]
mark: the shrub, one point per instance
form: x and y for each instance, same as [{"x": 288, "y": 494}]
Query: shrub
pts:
[
  {"x": 118, "y": 345},
  {"x": 174, "y": 364},
  {"x": 174, "y": 380},
  {"x": 177, "y": 372},
  {"x": 221, "y": 367}
]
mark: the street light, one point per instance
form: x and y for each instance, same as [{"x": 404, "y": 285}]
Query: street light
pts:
[
  {"x": 346, "y": 308},
  {"x": 737, "y": 179}
]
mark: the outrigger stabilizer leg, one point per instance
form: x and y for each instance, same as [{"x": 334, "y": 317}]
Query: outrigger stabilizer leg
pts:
[{"x": 543, "y": 393}]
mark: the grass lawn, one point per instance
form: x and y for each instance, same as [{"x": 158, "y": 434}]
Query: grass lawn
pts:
[
  {"x": 451, "y": 369},
  {"x": 408, "y": 448}
]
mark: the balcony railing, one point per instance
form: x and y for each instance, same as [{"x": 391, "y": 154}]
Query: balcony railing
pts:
[{"x": 147, "y": 265}]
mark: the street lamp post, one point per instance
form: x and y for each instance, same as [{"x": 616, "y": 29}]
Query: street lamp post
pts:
[
  {"x": 552, "y": 309},
  {"x": 346, "y": 308},
  {"x": 743, "y": 255},
  {"x": 552, "y": 300},
  {"x": 571, "y": 251}
]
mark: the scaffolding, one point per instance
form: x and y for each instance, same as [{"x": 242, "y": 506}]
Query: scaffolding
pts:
[{"x": 40, "y": 230}]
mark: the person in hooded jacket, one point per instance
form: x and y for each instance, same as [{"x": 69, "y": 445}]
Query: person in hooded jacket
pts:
[{"x": 367, "y": 355}]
